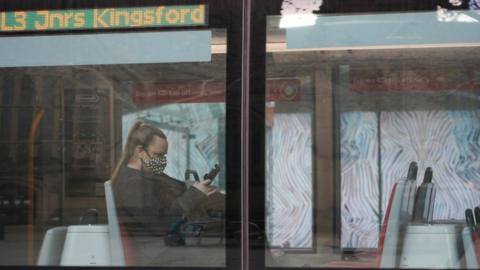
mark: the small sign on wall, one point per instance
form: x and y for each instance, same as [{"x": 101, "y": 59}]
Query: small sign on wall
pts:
[
  {"x": 393, "y": 78},
  {"x": 209, "y": 91}
]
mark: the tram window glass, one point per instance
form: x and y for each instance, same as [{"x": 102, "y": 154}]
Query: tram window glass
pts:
[
  {"x": 371, "y": 114},
  {"x": 63, "y": 130}
]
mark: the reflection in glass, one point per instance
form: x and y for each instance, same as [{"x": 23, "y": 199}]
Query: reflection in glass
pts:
[
  {"x": 376, "y": 105},
  {"x": 82, "y": 114}
]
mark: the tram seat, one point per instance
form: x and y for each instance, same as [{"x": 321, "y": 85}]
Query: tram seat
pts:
[
  {"x": 71, "y": 245},
  {"x": 117, "y": 254},
  {"x": 52, "y": 246}
]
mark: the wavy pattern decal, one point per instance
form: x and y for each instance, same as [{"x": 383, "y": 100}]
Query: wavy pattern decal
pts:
[
  {"x": 447, "y": 141},
  {"x": 289, "y": 181},
  {"x": 359, "y": 183}
]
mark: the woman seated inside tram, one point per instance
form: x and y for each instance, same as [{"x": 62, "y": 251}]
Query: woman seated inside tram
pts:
[{"x": 150, "y": 204}]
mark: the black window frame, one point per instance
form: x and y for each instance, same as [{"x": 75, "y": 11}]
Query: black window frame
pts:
[
  {"x": 245, "y": 22},
  {"x": 259, "y": 12},
  {"x": 226, "y": 14}
]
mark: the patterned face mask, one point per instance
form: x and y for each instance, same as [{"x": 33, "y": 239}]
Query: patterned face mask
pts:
[{"x": 156, "y": 165}]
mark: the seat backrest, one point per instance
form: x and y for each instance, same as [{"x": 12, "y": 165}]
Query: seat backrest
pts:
[
  {"x": 116, "y": 245},
  {"x": 52, "y": 246}
]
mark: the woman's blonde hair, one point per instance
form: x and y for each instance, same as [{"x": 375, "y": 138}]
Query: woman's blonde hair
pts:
[{"x": 140, "y": 134}]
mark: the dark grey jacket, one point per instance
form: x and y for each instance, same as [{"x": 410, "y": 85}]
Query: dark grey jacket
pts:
[{"x": 149, "y": 204}]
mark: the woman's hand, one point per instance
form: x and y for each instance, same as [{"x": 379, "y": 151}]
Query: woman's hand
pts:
[{"x": 205, "y": 188}]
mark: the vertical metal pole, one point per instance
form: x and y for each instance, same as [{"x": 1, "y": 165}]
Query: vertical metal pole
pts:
[
  {"x": 31, "y": 182},
  {"x": 379, "y": 164},
  {"x": 63, "y": 148},
  {"x": 245, "y": 131}
]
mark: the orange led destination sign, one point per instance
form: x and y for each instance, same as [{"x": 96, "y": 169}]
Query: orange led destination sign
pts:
[{"x": 105, "y": 18}]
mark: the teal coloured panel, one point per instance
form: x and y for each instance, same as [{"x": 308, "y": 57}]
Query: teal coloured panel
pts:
[{"x": 106, "y": 49}]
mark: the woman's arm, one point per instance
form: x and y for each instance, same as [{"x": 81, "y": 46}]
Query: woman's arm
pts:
[
  {"x": 178, "y": 197},
  {"x": 155, "y": 203}
]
